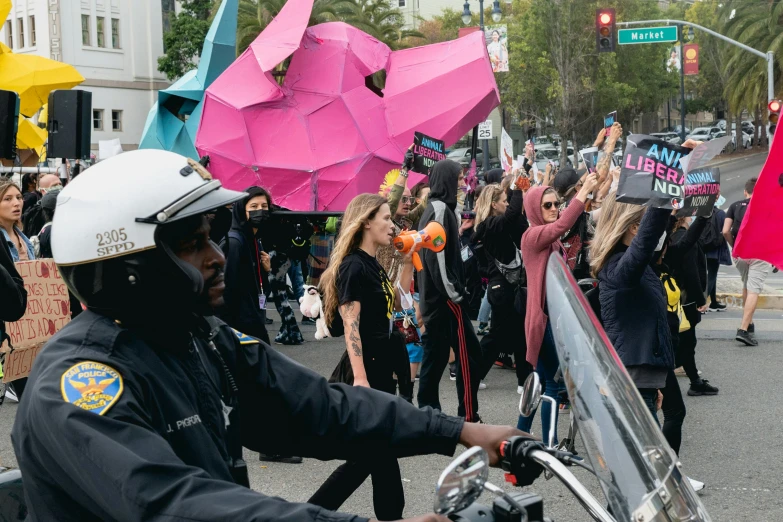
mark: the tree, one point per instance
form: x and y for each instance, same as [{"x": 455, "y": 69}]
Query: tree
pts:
[
  {"x": 378, "y": 19},
  {"x": 255, "y": 15},
  {"x": 759, "y": 25},
  {"x": 183, "y": 43}
]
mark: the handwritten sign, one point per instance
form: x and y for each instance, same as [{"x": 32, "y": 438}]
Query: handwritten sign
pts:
[
  {"x": 426, "y": 152},
  {"x": 48, "y": 310},
  {"x": 702, "y": 187}
]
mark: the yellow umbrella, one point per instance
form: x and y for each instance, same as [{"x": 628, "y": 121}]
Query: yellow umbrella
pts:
[
  {"x": 34, "y": 77},
  {"x": 5, "y": 8},
  {"x": 30, "y": 136}
]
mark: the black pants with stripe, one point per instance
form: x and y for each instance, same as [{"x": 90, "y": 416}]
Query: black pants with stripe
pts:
[{"x": 452, "y": 329}]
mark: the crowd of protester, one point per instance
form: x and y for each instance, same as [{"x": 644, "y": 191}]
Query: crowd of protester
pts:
[{"x": 656, "y": 275}]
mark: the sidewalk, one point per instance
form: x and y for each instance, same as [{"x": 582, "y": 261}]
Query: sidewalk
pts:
[{"x": 730, "y": 291}]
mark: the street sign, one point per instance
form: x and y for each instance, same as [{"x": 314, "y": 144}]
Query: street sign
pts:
[
  {"x": 485, "y": 130},
  {"x": 647, "y": 35}
]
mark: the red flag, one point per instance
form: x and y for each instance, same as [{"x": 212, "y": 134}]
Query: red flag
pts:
[
  {"x": 760, "y": 235},
  {"x": 691, "y": 59}
]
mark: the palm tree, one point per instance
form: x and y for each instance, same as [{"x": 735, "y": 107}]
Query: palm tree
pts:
[
  {"x": 759, "y": 25},
  {"x": 378, "y": 19},
  {"x": 255, "y": 15}
]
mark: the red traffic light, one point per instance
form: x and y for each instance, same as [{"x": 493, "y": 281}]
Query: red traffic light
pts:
[
  {"x": 775, "y": 105},
  {"x": 605, "y": 18}
]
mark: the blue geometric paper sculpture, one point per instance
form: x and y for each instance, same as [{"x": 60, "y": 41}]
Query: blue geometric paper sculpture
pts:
[{"x": 173, "y": 121}]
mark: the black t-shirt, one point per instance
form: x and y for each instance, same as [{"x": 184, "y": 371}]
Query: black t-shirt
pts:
[
  {"x": 363, "y": 279},
  {"x": 736, "y": 213}
]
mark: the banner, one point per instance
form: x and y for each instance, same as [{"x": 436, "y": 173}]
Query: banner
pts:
[
  {"x": 47, "y": 312},
  {"x": 496, "y": 37},
  {"x": 426, "y": 152},
  {"x": 691, "y": 61},
  {"x": 506, "y": 150},
  {"x": 702, "y": 187},
  {"x": 653, "y": 170}
]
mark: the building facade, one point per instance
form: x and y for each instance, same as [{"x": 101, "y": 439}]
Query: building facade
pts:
[{"x": 114, "y": 44}]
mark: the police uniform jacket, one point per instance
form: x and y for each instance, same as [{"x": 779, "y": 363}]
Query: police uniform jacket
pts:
[{"x": 125, "y": 424}]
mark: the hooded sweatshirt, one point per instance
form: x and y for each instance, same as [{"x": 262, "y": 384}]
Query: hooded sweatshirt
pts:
[
  {"x": 243, "y": 285},
  {"x": 538, "y": 242},
  {"x": 443, "y": 277}
]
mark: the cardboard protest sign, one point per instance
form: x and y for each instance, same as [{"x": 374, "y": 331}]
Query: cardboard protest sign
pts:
[
  {"x": 507, "y": 151},
  {"x": 702, "y": 187},
  {"x": 48, "y": 310},
  {"x": 704, "y": 153},
  {"x": 426, "y": 152}
]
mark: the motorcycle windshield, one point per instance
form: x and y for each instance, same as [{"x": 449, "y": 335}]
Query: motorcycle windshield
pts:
[{"x": 638, "y": 471}]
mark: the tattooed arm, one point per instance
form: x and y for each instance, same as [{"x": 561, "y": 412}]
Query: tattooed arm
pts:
[{"x": 350, "y": 313}]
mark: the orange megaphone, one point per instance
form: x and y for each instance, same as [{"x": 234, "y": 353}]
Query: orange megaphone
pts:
[{"x": 433, "y": 237}]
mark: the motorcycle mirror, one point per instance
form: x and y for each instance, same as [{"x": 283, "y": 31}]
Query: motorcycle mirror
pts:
[
  {"x": 462, "y": 482},
  {"x": 531, "y": 395}
]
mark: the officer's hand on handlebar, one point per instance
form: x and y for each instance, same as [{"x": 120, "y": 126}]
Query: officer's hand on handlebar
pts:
[{"x": 488, "y": 437}]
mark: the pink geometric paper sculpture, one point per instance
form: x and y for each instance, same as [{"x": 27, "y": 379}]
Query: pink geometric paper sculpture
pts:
[{"x": 327, "y": 134}]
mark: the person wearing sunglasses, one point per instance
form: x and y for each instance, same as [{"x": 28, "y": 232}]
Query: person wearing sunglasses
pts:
[{"x": 540, "y": 240}]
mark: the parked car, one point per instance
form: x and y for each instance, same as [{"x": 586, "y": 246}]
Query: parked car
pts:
[
  {"x": 545, "y": 153},
  {"x": 671, "y": 137},
  {"x": 676, "y": 130},
  {"x": 704, "y": 133},
  {"x": 462, "y": 156}
]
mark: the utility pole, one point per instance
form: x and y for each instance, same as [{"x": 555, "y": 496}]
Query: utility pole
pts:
[{"x": 682, "y": 89}]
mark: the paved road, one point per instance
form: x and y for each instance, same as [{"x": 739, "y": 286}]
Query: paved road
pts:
[{"x": 730, "y": 440}]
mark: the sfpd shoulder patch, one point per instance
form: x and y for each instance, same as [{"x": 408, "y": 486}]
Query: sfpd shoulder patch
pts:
[
  {"x": 244, "y": 338},
  {"x": 92, "y": 386}
]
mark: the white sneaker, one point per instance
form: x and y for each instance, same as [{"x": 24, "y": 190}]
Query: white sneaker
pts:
[
  {"x": 482, "y": 385},
  {"x": 9, "y": 394},
  {"x": 520, "y": 389},
  {"x": 697, "y": 486}
]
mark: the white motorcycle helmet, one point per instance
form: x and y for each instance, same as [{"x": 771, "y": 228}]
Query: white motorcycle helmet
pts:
[{"x": 107, "y": 227}]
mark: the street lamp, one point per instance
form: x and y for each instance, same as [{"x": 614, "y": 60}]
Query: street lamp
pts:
[
  {"x": 497, "y": 15},
  {"x": 466, "y": 16}
]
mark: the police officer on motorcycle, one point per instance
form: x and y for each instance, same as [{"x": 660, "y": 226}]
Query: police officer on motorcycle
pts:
[{"x": 140, "y": 407}]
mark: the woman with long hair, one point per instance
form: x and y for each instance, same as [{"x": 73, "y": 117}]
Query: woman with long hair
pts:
[
  {"x": 358, "y": 286},
  {"x": 11, "y": 204},
  {"x": 500, "y": 224},
  {"x": 633, "y": 299},
  {"x": 539, "y": 241}
]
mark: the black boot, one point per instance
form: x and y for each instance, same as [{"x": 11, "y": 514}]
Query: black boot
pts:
[{"x": 703, "y": 387}]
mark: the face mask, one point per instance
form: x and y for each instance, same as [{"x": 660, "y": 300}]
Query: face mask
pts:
[
  {"x": 660, "y": 242},
  {"x": 258, "y": 217},
  {"x": 721, "y": 200}
]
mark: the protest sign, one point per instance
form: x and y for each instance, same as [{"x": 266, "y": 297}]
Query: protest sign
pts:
[
  {"x": 651, "y": 173},
  {"x": 47, "y": 312},
  {"x": 653, "y": 170},
  {"x": 506, "y": 150},
  {"x": 426, "y": 152},
  {"x": 590, "y": 158},
  {"x": 702, "y": 187}
]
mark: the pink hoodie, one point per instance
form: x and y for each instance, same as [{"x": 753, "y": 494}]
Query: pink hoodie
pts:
[{"x": 538, "y": 242}]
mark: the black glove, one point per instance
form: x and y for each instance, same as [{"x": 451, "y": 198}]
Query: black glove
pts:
[
  {"x": 407, "y": 163},
  {"x": 520, "y": 470}
]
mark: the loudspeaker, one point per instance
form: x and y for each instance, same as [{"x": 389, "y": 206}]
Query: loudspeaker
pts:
[
  {"x": 9, "y": 123},
  {"x": 433, "y": 237},
  {"x": 70, "y": 124}
]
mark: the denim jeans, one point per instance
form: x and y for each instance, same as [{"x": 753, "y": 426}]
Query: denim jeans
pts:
[
  {"x": 649, "y": 396},
  {"x": 484, "y": 311},
  {"x": 297, "y": 280},
  {"x": 548, "y": 363}
]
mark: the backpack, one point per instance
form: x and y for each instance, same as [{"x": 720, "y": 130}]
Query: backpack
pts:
[
  {"x": 673, "y": 302},
  {"x": 711, "y": 238}
]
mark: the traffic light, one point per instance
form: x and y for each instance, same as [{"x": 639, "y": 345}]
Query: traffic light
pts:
[
  {"x": 604, "y": 30},
  {"x": 774, "y": 115}
]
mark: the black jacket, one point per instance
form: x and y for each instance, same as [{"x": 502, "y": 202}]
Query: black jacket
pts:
[
  {"x": 241, "y": 309},
  {"x": 688, "y": 262},
  {"x": 164, "y": 451},
  {"x": 443, "y": 277},
  {"x": 633, "y": 301},
  {"x": 13, "y": 303},
  {"x": 501, "y": 236}
]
